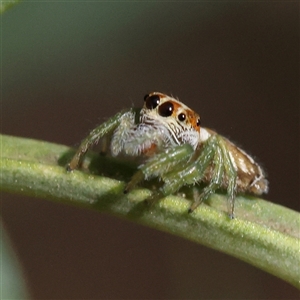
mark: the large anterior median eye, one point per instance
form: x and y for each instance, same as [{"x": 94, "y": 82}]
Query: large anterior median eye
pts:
[
  {"x": 166, "y": 109},
  {"x": 151, "y": 101}
]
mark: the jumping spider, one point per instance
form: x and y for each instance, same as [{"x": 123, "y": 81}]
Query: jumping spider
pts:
[{"x": 177, "y": 150}]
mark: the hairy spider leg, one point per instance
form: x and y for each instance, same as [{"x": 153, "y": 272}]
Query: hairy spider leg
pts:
[
  {"x": 177, "y": 175},
  {"x": 160, "y": 164},
  {"x": 231, "y": 174},
  {"x": 94, "y": 137},
  {"x": 215, "y": 182},
  {"x": 191, "y": 173},
  {"x": 168, "y": 166},
  {"x": 213, "y": 153}
]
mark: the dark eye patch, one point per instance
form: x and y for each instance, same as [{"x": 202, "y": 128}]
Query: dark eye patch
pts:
[
  {"x": 151, "y": 101},
  {"x": 166, "y": 109}
]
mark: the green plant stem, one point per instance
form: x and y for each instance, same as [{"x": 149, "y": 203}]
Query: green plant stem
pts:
[
  {"x": 263, "y": 234},
  {"x": 6, "y": 4}
]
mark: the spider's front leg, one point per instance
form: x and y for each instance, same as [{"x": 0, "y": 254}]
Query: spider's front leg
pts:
[
  {"x": 160, "y": 164},
  {"x": 96, "y": 134}
]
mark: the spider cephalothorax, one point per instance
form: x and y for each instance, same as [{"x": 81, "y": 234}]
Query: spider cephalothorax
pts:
[{"x": 177, "y": 151}]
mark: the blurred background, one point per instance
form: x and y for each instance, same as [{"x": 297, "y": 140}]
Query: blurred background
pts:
[{"x": 68, "y": 66}]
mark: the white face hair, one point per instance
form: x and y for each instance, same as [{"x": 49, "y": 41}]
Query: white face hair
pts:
[{"x": 180, "y": 122}]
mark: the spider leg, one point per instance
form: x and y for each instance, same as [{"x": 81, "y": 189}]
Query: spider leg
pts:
[
  {"x": 213, "y": 154},
  {"x": 184, "y": 174},
  {"x": 191, "y": 173},
  {"x": 160, "y": 164},
  {"x": 224, "y": 170},
  {"x": 94, "y": 137},
  {"x": 215, "y": 182},
  {"x": 231, "y": 175}
]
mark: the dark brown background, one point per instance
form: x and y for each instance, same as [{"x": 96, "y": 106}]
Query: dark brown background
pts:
[{"x": 68, "y": 66}]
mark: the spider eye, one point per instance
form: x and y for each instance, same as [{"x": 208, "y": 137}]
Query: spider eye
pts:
[
  {"x": 151, "y": 101},
  {"x": 198, "y": 122},
  {"x": 181, "y": 117},
  {"x": 166, "y": 109}
]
